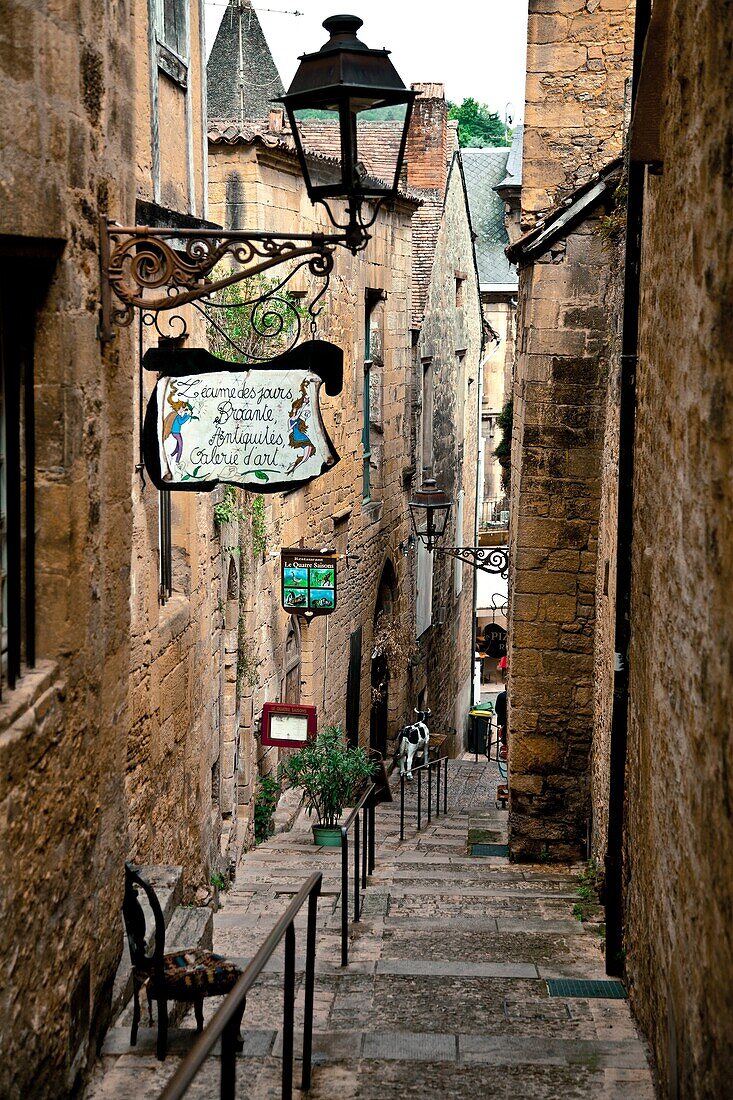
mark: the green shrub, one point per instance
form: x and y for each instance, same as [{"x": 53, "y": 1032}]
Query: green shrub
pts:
[
  {"x": 266, "y": 796},
  {"x": 331, "y": 774}
]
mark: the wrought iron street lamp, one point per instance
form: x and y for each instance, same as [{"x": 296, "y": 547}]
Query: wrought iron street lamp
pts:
[
  {"x": 159, "y": 269},
  {"x": 346, "y": 84},
  {"x": 429, "y": 509}
]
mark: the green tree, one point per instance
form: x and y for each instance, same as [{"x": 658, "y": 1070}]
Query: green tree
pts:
[{"x": 477, "y": 125}]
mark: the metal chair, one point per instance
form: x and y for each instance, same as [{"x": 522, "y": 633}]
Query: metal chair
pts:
[{"x": 188, "y": 975}]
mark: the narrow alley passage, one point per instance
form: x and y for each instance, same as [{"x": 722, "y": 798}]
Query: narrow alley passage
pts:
[{"x": 446, "y": 991}]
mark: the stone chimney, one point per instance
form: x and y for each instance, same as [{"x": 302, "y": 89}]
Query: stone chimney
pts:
[{"x": 427, "y": 140}]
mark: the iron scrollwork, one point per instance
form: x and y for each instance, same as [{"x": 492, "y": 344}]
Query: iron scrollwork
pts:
[
  {"x": 490, "y": 559},
  {"x": 159, "y": 270}
]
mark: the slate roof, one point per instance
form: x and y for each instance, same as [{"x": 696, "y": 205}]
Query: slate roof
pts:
[
  {"x": 483, "y": 169},
  {"x": 261, "y": 81}
]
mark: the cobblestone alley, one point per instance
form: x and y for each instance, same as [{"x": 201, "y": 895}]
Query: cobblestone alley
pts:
[{"x": 445, "y": 993}]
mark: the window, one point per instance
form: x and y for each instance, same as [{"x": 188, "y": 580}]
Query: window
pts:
[
  {"x": 460, "y": 283},
  {"x": 371, "y": 429},
  {"x": 170, "y": 20},
  {"x": 17, "y": 497},
  {"x": 428, "y": 389},
  {"x": 290, "y": 691},
  {"x": 460, "y": 397}
]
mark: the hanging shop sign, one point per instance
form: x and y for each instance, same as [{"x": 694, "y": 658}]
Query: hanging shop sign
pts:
[
  {"x": 494, "y": 640},
  {"x": 287, "y": 725},
  {"x": 259, "y": 427},
  {"x": 308, "y": 581}
]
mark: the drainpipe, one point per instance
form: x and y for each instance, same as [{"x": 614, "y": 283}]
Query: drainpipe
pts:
[
  {"x": 627, "y": 418},
  {"x": 477, "y": 512}
]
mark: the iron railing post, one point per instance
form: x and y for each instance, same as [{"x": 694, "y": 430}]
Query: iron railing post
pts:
[
  {"x": 437, "y": 792},
  {"x": 356, "y": 871},
  {"x": 430, "y": 790},
  {"x": 372, "y": 822},
  {"x": 364, "y": 845},
  {"x": 288, "y": 1013},
  {"x": 419, "y": 800},
  {"x": 228, "y": 1079},
  {"x": 445, "y": 785},
  {"x": 402, "y": 807},
  {"x": 310, "y": 970},
  {"x": 344, "y": 897}
]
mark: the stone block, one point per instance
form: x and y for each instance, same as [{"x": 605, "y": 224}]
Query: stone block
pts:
[
  {"x": 558, "y": 609},
  {"x": 536, "y": 755}
]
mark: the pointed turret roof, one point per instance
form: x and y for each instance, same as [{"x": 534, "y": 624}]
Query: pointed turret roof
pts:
[{"x": 242, "y": 77}]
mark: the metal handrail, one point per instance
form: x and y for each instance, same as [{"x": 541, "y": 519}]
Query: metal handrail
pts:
[
  {"x": 367, "y": 862},
  {"x": 429, "y": 764},
  {"x": 226, "y": 1021}
]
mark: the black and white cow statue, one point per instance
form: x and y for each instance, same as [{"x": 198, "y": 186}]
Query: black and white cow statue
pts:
[{"x": 412, "y": 740}]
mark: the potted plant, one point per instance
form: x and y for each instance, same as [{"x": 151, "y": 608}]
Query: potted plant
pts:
[{"x": 331, "y": 775}]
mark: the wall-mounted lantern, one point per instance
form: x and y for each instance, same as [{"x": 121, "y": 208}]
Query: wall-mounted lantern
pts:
[
  {"x": 429, "y": 509},
  {"x": 348, "y": 85},
  {"x": 160, "y": 269}
]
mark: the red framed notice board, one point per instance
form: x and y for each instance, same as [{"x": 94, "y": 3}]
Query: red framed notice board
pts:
[{"x": 288, "y": 725}]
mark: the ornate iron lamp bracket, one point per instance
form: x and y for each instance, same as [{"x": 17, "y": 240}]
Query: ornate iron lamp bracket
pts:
[
  {"x": 490, "y": 559},
  {"x": 157, "y": 270}
]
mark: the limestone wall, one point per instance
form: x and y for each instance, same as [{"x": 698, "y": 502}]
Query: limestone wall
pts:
[
  {"x": 180, "y": 718},
  {"x": 559, "y": 414},
  {"x": 679, "y": 839},
  {"x": 65, "y": 88},
  {"x": 450, "y": 338},
  {"x": 331, "y": 511},
  {"x": 578, "y": 61}
]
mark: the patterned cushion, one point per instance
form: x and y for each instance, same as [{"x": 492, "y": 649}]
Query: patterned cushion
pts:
[{"x": 195, "y": 973}]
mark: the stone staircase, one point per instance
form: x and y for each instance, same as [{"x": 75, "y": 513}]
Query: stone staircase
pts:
[{"x": 446, "y": 992}]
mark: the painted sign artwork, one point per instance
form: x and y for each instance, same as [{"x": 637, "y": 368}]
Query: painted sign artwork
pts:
[
  {"x": 308, "y": 581},
  {"x": 261, "y": 428}
]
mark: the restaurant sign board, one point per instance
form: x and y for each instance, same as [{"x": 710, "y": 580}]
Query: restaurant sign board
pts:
[{"x": 308, "y": 581}]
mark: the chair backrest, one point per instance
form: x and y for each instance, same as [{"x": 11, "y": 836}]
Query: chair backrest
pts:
[{"x": 133, "y": 915}]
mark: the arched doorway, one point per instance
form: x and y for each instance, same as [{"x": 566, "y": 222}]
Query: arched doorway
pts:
[{"x": 383, "y": 618}]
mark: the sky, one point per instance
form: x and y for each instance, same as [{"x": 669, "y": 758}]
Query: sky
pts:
[{"x": 475, "y": 47}]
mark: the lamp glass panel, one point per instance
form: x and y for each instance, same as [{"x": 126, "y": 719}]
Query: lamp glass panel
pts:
[
  {"x": 320, "y": 133},
  {"x": 419, "y": 519},
  {"x": 378, "y": 141}
]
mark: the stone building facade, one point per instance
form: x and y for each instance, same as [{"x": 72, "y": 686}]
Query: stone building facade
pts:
[
  {"x": 109, "y": 721},
  {"x": 359, "y": 508},
  {"x": 66, "y": 83},
  {"x": 578, "y": 64},
  {"x": 178, "y": 724},
  {"x": 447, "y": 362},
  {"x": 678, "y": 835},
  {"x": 663, "y": 783}
]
